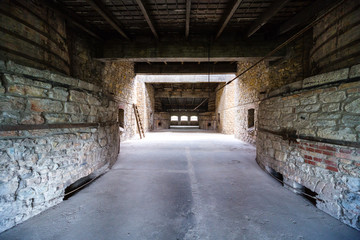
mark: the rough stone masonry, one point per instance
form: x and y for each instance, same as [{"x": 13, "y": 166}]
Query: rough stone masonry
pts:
[
  {"x": 309, "y": 131},
  {"x": 59, "y": 129}
]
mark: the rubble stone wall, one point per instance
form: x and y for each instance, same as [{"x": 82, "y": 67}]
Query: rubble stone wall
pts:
[
  {"x": 309, "y": 131},
  {"x": 54, "y": 130}
]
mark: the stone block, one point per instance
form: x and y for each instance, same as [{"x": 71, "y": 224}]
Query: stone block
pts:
[
  {"x": 71, "y": 107},
  {"x": 330, "y": 107},
  {"x": 353, "y": 107},
  {"x": 308, "y": 108},
  {"x": 35, "y": 91},
  {"x": 45, "y": 105},
  {"x": 85, "y": 85},
  {"x": 16, "y": 89},
  {"x": 291, "y": 103},
  {"x": 29, "y": 71},
  {"x": 346, "y": 134},
  {"x": 354, "y": 71},
  {"x": 308, "y": 100},
  {"x": 56, "y": 118},
  {"x": 76, "y": 96},
  {"x": 10, "y": 103},
  {"x": 58, "y": 93},
  {"x": 351, "y": 120},
  {"x": 92, "y": 100},
  {"x": 332, "y": 97},
  {"x": 325, "y": 78},
  {"x": 324, "y": 123},
  {"x": 324, "y": 116},
  {"x": 280, "y": 156},
  {"x": 32, "y": 118},
  {"x": 84, "y": 109},
  {"x": 63, "y": 79}
]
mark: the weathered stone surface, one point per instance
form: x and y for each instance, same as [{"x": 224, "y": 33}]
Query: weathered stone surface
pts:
[
  {"x": 77, "y": 96},
  {"x": 45, "y": 105},
  {"x": 71, "y": 107},
  {"x": 331, "y": 107},
  {"x": 330, "y": 97},
  {"x": 351, "y": 120},
  {"x": 93, "y": 100},
  {"x": 345, "y": 134},
  {"x": 353, "y": 107},
  {"x": 56, "y": 118},
  {"x": 308, "y": 108},
  {"x": 326, "y": 78},
  {"x": 354, "y": 71},
  {"x": 58, "y": 93}
]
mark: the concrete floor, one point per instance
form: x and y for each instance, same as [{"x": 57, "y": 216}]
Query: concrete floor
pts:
[{"x": 184, "y": 185}]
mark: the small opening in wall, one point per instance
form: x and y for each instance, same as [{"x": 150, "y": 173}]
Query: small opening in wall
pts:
[
  {"x": 193, "y": 118},
  {"x": 310, "y": 195},
  {"x": 218, "y": 117},
  {"x": 72, "y": 189},
  {"x": 174, "y": 118},
  {"x": 121, "y": 117},
  {"x": 209, "y": 124},
  {"x": 159, "y": 124},
  {"x": 251, "y": 118}
]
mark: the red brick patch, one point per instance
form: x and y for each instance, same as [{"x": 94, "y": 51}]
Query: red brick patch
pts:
[
  {"x": 348, "y": 151},
  {"x": 308, "y": 157},
  {"x": 317, "y": 159},
  {"x": 328, "y": 153},
  {"x": 331, "y": 163},
  {"x": 334, "y": 169}
]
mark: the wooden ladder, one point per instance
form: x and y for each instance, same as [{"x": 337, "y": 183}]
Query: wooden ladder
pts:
[{"x": 138, "y": 121}]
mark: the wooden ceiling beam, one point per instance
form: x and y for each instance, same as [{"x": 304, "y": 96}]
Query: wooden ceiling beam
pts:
[
  {"x": 107, "y": 15},
  {"x": 306, "y": 15},
  {"x": 187, "y": 24},
  {"x": 147, "y": 18},
  {"x": 265, "y": 17},
  {"x": 228, "y": 17}
]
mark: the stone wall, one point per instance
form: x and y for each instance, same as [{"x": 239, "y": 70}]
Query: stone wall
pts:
[
  {"x": 54, "y": 130},
  {"x": 234, "y": 100},
  {"x": 207, "y": 121},
  {"x": 309, "y": 131},
  {"x": 336, "y": 39},
  {"x": 161, "y": 120},
  {"x": 119, "y": 80},
  {"x": 145, "y": 100}
]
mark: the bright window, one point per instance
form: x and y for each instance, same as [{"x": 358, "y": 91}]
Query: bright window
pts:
[
  {"x": 184, "y": 118},
  {"x": 193, "y": 118},
  {"x": 174, "y": 118}
]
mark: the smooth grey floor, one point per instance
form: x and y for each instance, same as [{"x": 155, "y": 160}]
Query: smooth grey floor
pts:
[{"x": 184, "y": 185}]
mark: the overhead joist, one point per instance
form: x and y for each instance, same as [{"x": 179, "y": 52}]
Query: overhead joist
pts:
[
  {"x": 266, "y": 16},
  {"x": 187, "y": 21},
  {"x": 107, "y": 15},
  {"x": 147, "y": 18},
  {"x": 181, "y": 94},
  {"x": 228, "y": 17},
  {"x": 73, "y": 18},
  {"x": 306, "y": 15}
]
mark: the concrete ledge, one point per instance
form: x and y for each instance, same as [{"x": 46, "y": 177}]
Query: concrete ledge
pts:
[
  {"x": 328, "y": 77},
  {"x": 317, "y": 80},
  {"x": 14, "y": 68}
]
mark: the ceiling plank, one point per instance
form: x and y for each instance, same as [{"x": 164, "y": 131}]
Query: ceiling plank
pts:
[
  {"x": 107, "y": 15},
  {"x": 264, "y": 18},
  {"x": 228, "y": 17},
  {"x": 73, "y": 18},
  {"x": 147, "y": 18},
  {"x": 306, "y": 15},
  {"x": 188, "y": 10}
]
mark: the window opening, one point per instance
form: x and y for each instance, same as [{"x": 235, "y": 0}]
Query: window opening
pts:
[
  {"x": 194, "y": 118},
  {"x": 251, "y": 118}
]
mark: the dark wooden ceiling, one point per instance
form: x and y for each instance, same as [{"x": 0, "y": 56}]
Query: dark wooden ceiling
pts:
[
  {"x": 184, "y": 97},
  {"x": 162, "y": 17}
]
